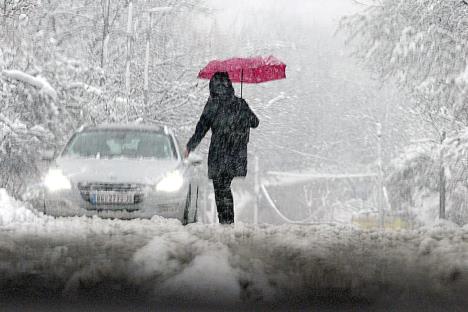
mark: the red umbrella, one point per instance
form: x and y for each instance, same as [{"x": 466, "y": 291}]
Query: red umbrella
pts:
[{"x": 249, "y": 70}]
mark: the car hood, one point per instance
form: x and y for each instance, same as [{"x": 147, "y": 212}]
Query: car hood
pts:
[{"x": 144, "y": 171}]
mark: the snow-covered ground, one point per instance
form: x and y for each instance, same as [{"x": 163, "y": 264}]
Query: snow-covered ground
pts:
[{"x": 287, "y": 266}]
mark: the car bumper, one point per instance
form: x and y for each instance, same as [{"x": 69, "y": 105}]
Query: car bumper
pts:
[{"x": 71, "y": 203}]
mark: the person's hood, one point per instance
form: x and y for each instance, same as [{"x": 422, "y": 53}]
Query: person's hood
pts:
[
  {"x": 223, "y": 92},
  {"x": 119, "y": 170}
]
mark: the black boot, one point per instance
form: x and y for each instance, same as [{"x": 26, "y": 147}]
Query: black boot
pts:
[{"x": 229, "y": 212}]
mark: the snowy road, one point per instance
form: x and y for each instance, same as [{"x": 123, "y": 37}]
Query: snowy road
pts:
[{"x": 121, "y": 263}]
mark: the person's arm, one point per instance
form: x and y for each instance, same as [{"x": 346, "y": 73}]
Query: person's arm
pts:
[
  {"x": 253, "y": 119},
  {"x": 203, "y": 125}
]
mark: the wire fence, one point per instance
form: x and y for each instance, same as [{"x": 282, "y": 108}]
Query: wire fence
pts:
[
  {"x": 410, "y": 199},
  {"x": 294, "y": 198}
]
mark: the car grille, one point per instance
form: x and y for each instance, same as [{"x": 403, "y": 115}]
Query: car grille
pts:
[{"x": 87, "y": 188}]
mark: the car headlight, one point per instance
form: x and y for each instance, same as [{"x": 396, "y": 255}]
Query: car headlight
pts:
[
  {"x": 172, "y": 182},
  {"x": 55, "y": 180}
]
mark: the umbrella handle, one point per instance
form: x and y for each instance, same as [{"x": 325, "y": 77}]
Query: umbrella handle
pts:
[{"x": 242, "y": 78}]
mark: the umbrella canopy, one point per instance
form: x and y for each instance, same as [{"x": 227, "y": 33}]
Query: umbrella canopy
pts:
[{"x": 249, "y": 70}]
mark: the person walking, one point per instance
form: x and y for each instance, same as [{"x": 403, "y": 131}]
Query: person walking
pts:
[{"x": 230, "y": 119}]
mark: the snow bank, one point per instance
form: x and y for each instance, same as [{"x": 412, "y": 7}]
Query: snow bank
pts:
[
  {"x": 201, "y": 269},
  {"x": 12, "y": 211},
  {"x": 164, "y": 261}
]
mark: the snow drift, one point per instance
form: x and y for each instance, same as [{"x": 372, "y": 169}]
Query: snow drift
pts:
[{"x": 160, "y": 260}]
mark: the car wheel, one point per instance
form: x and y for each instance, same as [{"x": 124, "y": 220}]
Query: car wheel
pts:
[{"x": 187, "y": 206}]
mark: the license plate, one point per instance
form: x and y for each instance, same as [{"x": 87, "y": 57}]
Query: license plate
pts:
[{"x": 111, "y": 198}]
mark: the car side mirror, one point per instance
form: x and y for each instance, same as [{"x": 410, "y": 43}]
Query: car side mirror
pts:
[
  {"x": 194, "y": 159},
  {"x": 48, "y": 155}
]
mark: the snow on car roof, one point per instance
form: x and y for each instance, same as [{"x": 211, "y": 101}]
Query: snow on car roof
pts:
[{"x": 118, "y": 126}]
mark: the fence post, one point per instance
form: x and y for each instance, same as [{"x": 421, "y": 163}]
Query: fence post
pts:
[
  {"x": 213, "y": 209},
  {"x": 442, "y": 180},
  {"x": 206, "y": 204},
  {"x": 380, "y": 183},
  {"x": 256, "y": 189}
]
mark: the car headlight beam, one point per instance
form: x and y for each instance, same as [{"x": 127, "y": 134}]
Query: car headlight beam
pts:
[
  {"x": 172, "y": 182},
  {"x": 55, "y": 180}
]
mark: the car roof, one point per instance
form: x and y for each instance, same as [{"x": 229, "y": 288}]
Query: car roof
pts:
[{"x": 117, "y": 126}]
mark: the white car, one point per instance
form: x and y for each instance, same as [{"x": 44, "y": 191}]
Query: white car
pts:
[{"x": 122, "y": 171}]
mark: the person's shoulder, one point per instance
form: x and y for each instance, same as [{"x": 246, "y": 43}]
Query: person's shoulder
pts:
[
  {"x": 210, "y": 102},
  {"x": 210, "y": 106}
]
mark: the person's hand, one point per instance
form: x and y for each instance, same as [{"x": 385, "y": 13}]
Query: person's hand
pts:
[{"x": 186, "y": 153}]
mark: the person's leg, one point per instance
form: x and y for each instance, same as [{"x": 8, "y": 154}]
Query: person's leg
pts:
[
  {"x": 224, "y": 199},
  {"x": 218, "y": 190},
  {"x": 228, "y": 201}
]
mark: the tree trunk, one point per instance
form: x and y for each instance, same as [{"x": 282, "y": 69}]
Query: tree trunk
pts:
[
  {"x": 147, "y": 52},
  {"x": 4, "y": 12},
  {"x": 129, "y": 46},
  {"x": 105, "y": 34}
]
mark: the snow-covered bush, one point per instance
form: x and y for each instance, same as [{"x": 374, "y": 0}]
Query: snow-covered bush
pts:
[
  {"x": 412, "y": 182},
  {"x": 455, "y": 151},
  {"x": 19, "y": 147},
  {"x": 413, "y": 179}
]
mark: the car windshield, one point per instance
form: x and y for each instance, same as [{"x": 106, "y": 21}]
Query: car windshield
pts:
[{"x": 120, "y": 143}]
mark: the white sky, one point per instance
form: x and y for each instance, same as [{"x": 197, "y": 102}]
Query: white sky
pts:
[{"x": 323, "y": 12}]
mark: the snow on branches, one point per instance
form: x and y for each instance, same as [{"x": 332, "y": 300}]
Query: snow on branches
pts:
[
  {"x": 39, "y": 82},
  {"x": 422, "y": 45}
]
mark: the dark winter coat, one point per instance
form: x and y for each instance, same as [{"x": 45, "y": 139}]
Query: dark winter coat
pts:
[{"x": 230, "y": 120}]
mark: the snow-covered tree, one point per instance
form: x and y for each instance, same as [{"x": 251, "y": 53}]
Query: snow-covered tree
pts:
[
  {"x": 413, "y": 179},
  {"x": 61, "y": 66},
  {"x": 422, "y": 46},
  {"x": 33, "y": 77}
]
